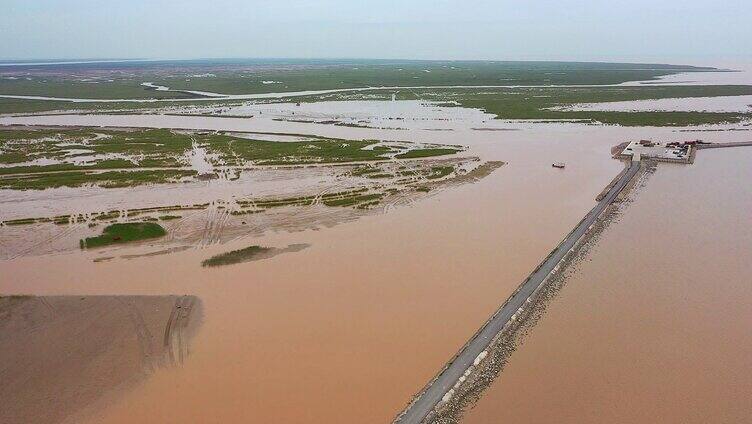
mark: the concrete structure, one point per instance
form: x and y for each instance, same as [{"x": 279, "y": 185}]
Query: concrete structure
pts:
[{"x": 668, "y": 152}]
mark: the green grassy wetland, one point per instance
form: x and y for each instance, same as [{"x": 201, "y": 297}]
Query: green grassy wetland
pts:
[
  {"x": 236, "y": 256},
  {"x": 124, "y": 233},
  {"x": 238, "y": 77},
  {"x": 301, "y": 75},
  {"x": 40, "y": 159}
]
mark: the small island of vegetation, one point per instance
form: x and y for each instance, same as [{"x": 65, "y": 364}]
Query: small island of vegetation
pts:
[{"x": 124, "y": 233}]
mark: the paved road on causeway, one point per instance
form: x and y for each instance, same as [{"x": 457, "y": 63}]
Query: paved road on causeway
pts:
[
  {"x": 720, "y": 145},
  {"x": 480, "y": 341}
]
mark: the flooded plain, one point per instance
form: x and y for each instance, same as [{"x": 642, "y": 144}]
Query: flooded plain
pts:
[
  {"x": 653, "y": 326},
  {"x": 687, "y": 104},
  {"x": 350, "y": 328}
]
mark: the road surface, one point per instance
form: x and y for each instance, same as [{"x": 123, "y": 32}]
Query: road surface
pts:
[
  {"x": 720, "y": 145},
  {"x": 434, "y": 392}
]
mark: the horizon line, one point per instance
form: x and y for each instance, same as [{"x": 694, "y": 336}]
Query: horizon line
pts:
[{"x": 8, "y": 62}]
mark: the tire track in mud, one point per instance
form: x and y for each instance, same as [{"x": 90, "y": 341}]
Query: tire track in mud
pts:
[
  {"x": 223, "y": 216},
  {"x": 179, "y": 225},
  {"x": 210, "y": 216},
  {"x": 174, "y": 340},
  {"x": 69, "y": 230},
  {"x": 144, "y": 336},
  {"x": 216, "y": 220},
  {"x": 318, "y": 199},
  {"x": 48, "y": 305}
]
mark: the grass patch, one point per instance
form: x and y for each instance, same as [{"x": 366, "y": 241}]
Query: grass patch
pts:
[
  {"x": 105, "y": 216},
  {"x": 238, "y": 151},
  {"x": 380, "y": 176},
  {"x": 236, "y": 256},
  {"x": 424, "y": 153},
  {"x": 364, "y": 170},
  {"x": 352, "y": 200},
  {"x": 440, "y": 172},
  {"x": 23, "y": 221},
  {"x": 109, "y": 179},
  {"x": 124, "y": 233},
  {"x": 246, "y": 212}
]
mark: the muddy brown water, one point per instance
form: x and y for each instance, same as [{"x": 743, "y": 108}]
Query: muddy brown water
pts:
[
  {"x": 60, "y": 354},
  {"x": 654, "y": 324},
  {"x": 350, "y": 328}
]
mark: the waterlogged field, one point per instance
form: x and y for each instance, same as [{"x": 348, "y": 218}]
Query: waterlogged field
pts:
[
  {"x": 204, "y": 186},
  {"x": 560, "y": 104},
  {"x": 544, "y": 99},
  {"x": 124, "y": 80},
  {"x": 40, "y": 159},
  {"x": 162, "y": 81},
  {"x": 413, "y": 212},
  {"x": 521, "y": 103}
]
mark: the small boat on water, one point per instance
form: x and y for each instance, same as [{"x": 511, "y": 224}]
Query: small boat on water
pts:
[{"x": 559, "y": 165}]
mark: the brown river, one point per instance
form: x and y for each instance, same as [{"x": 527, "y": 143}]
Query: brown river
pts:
[
  {"x": 351, "y": 328},
  {"x": 654, "y": 324}
]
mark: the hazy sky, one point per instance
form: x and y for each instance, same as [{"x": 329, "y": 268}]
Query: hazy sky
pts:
[{"x": 419, "y": 29}]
